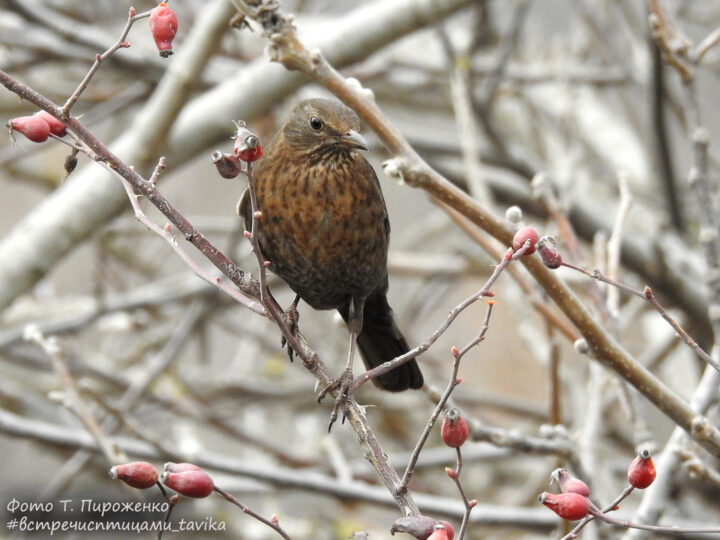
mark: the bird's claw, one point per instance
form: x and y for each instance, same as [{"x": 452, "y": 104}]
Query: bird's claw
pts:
[
  {"x": 343, "y": 384},
  {"x": 291, "y": 316}
]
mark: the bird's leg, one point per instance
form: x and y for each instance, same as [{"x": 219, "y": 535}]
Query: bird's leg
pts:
[
  {"x": 344, "y": 382},
  {"x": 291, "y": 318}
]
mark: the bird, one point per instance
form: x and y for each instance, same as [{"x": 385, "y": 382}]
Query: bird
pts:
[{"x": 324, "y": 229}]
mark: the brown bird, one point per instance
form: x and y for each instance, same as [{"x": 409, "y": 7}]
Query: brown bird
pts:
[{"x": 325, "y": 231}]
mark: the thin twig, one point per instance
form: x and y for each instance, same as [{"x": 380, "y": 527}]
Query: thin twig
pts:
[
  {"x": 656, "y": 528},
  {"x": 166, "y": 234},
  {"x": 609, "y": 508},
  {"x": 469, "y": 504},
  {"x": 72, "y": 398},
  {"x": 273, "y": 524},
  {"x": 485, "y": 290},
  {"x": 453, "y": 382},
  {"x": 100, "y": 58},
  {"x": 699, "y": 51},
  {"x": 615, "y": 243},
  {"x": 648, "y": 295}
]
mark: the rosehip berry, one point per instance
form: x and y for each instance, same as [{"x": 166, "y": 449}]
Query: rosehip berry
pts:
[
  {"x": 247, "y": 145},
  {"x": 641, "y": 472},
  {"x": 33, "y": 127},
  {"x": 56, "y": 126},
  {"x": 250, "y": 154},
  {"x": 522, "y": 236},
  {"x": 569, "y": 484},
  {"x": 548, "y": 254},
  {"x": 163, "y": 26},
  {"x": 138, "y": 474},
  {"x": 190, "y": 483},
  {"x": 454, "y": 429},
  {"x": 180, "y": 467},
  {"x": 448, "y": 529},
  {"x": 439, "y": 533},
  {"x": 227, "y": 165},
  {"x": 570, "y": 506}
]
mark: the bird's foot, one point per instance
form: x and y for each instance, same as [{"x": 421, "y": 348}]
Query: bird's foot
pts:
[
  {"x": 343, "y": 384},
  {"x": 291, "y": 317}
]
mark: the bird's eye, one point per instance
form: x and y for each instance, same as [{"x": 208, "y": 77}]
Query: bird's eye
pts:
[{"x": 315, "y": 123}]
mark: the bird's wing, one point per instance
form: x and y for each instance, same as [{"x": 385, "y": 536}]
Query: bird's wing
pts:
[{"x": 243, "y": 209}]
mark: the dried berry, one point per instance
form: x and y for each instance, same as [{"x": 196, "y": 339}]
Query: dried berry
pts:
[
  {"x": 522, "y": 236},
  {"x": 570, "y": 506},
  {"x": 228, "y": 165},
  {"x": 56, "y": 126},
  {"x": 416, "y": 526},
  {"x": 138, "y": 474},
  {"x": 163, "y": 26},
  {"x": 454, "y": 429},
  {"x": 641, "y": 472},
  {"x": 191, "y": 483},
  {"x": 71, "y": 161},
  {"x": 33, "y": 127},
  {"x": 549, "y": 254},
  {"x": 569, "y": 484}
]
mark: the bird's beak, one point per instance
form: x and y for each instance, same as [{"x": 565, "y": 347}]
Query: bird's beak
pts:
[{"x": 354, "y": 140}]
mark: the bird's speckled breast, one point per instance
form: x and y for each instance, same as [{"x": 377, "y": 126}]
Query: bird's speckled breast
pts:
[{"x": 333, "y": 243}]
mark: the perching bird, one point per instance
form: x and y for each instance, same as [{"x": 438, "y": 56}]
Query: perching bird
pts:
[{"x": 325, "y": 229}]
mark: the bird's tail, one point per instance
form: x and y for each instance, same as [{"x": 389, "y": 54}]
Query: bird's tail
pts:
[{"x": 381, "y": 340}]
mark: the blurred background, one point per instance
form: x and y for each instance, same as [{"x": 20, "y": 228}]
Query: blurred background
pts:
[{"x": 572, "y": 94}]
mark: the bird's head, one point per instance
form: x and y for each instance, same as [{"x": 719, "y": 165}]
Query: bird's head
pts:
[{"x": 322, "y": 127}]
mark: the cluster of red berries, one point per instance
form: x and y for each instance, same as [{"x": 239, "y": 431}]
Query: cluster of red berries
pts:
[
  {"x": 38, "y": 127},
  {"x": 186, "y": 478},
  {"x": 246, "y": 149},
  {"x": 573, "y": 502},
  {"x": 545, "y": 246}
]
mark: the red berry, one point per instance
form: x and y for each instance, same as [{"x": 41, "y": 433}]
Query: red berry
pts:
[
  {"x": 570, "y": 506},
  {"x": 569, "y": 484},
  {"x": 454, "y": 429},
  {"x": 522, "y": 236},
  {"x": 163, "y": 26},
  {"x": 440, "y": 533},
  {"x": 138, "y": 474},
  {"x": 180, "y": 467},
  {"x": 56, "y": 126},
  {"x": 228, "y": 165},
  {"x": 250, "y": 154},
  {"x": 247, "y": 145},
  {"x": 641, "y": 472},
  {"x": 191, "y": 483},
  {"x": 548, "y": 254},
  {"x": 33, "y": 127},
  {"x": 448, "y": 529}
]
